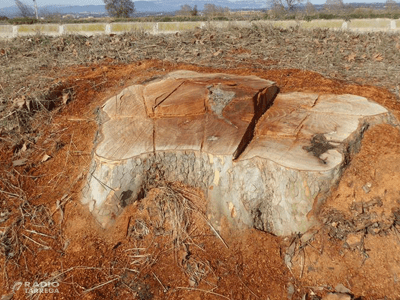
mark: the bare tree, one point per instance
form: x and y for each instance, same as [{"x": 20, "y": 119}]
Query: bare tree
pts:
[
  {"x": 213, "y": 10},
  {"x": 186, "y": 10},
  {"x": 277, "y": 11},
  {"x": 334, "y": 5},
  {"x": 24, "y": 9},
  {"x": 286, "y": 4},
  {"x": 310, "y": 9},
  {"x": 195, "y": 12},
  {"x": 391, "y": 5},
  {"x": 120, "y": 8}
]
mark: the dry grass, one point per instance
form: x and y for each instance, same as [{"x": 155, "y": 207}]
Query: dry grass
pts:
[
  {"x": 30, "y": 92},
  {"x": 169, "y": 215},
  {"x": 29, "y": 76},
  {"x": 174, "y": 213},
  {"x": 25, "y": 228}
]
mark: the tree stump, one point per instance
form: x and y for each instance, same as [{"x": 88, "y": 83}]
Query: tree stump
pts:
[{"x": 263, "y": 159}]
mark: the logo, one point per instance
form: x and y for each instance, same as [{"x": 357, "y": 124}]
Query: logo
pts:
[
  {"x": 17, "y": 286},
  {"x": 43, "y": 287}
]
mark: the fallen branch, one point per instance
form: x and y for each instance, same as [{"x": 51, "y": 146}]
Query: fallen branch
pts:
[
  {"x": 100, "y": 285},
  {"x": 32, "y": 240}
]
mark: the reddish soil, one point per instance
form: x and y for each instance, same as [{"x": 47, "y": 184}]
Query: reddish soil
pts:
[{"x": 92, "y": 263}]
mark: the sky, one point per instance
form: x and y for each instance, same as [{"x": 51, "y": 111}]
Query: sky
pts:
[{"x": 6, "y": 3}]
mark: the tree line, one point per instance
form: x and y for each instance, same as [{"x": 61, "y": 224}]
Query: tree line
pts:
[
  {"x": 278, "y": 8},
  {"x": 126, "y": 8}
]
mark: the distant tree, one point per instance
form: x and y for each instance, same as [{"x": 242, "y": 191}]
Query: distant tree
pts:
[
  {"x": 120, "y": 8},
  {"x": 277, "y": 11},
  {"x": 24, "y": 9},
  {"x": 195, "y": 12},
  {"x": 391, "y": 5},
  {"x": 310, "y": 9},
  {"x": 185, "y": 10},
  {"x": 334, "y": 5},
  {"x": 288, "y": 5},
  {"x": 213, "y": 10}
]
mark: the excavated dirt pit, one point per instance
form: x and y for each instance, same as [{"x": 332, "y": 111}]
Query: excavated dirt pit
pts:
[{"x": 162, "y": 247}]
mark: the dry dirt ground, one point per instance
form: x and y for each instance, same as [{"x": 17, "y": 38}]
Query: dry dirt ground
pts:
[{"x": 161, "y": 247}]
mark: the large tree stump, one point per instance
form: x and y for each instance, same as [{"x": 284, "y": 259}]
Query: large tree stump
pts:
[{"x": 263, "y": 159}]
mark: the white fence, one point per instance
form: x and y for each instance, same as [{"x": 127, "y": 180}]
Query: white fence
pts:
[{"x": 10, "y": 31}]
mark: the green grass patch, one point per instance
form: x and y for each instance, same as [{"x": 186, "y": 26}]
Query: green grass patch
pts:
[{"x": 18, "y": 21}]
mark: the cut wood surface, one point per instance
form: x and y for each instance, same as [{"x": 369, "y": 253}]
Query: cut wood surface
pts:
[{"x": 263, "y": 159}]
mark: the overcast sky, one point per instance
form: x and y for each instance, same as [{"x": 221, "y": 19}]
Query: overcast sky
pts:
[{"x": 5, "y": 3}]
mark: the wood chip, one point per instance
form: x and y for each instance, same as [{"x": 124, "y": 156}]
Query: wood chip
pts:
[
  {"x": 218, "y": 52},
  {"x": 7, "y": 297},
  {"x": 19, "y": 162},
  {"x": 23, "y": 149},
  {"x": 45, "y": 158},
  {"x": 377, "y": 57},
  {"x": 22, "y": 102},
  {"x": 66, "y": 97}
]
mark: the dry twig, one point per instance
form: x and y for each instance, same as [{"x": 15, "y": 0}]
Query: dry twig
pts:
[{"x": 203, "y": 291}]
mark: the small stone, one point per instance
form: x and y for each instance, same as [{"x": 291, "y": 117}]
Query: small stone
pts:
[
  {"x": 192, "y": 282},
  {"x": 367, "y": 187},
  {"x": 340, "y": 288},
  {"x": 375, "y": 230},
  {"x": 354, "y": 240},
  {"x": 290, "y": 290},
  {"x": 7, "y": 297},
  {"x": 375, "y": 201},
  {"x": 336, "y": 296},
  {"x": 358, "y": 207}
]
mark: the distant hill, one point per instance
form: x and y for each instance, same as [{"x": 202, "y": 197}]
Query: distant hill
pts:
[
  {"x": 161, "y": 6},
  {"x": 143, "y": 6}
]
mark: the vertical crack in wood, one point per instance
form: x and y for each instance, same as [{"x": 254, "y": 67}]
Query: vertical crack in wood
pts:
[
  {"x": 154, "y": 135},
  {"x": 262, "y": 102},
  {"x": 315, "y": 102},
  {"x": 204, "y": 126}
]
